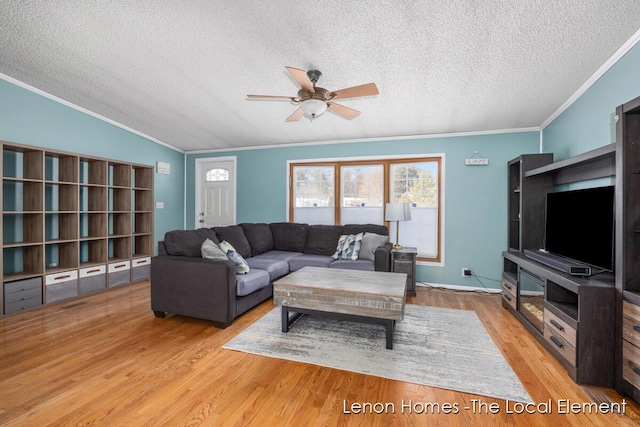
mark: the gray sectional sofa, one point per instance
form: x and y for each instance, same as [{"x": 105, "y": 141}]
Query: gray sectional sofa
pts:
[{"x": 185, "y": 283}]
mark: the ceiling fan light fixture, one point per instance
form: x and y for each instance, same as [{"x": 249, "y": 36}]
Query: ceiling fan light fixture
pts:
[{"x": 314, "y": 107}]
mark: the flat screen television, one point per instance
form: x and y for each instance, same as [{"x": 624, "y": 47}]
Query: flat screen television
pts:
[{"x": 580, "y": 225}]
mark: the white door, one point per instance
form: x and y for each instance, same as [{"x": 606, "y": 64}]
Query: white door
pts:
[{"x": 216, "y": 204}]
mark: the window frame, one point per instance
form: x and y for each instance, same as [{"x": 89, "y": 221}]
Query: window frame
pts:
[{"x": 386, "y": 162}]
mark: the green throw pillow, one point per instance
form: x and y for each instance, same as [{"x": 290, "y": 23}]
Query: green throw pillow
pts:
[
  {"x": 210, "y": 250},
  {"x": 348, "y": 246},
  {"x": 241, "y": 264}
]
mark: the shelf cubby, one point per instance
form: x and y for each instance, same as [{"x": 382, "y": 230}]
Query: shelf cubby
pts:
[
  {"x": 142, "y": 177},
  {"x": 18, "y": 195},
  {"x": 61, "y": 256},
  {"x": 119, "y": 175},
  {"x": 61, "y": 197},
  {"x": 21, "y": 228},
  {"x": 60, "y": 167},
  {"x": 61, "y": 226},
  {"x": 93, "y": 198},
  {"x": 119, "y": 248},
  {"x": 119, "y": 200},
  {"x": 93, "y": 225},
  {"x": 143, "y": 223},
  {"x": 22, "y": 262},
  {"x": 143, "y": 245},
  {"x": 119, "y": 224},
  {"x": 143, "y": 200},
  {"x": 93, "y": 252},
  {"x": 93, "y": 172},
  {"x": 22, "y": 163}
]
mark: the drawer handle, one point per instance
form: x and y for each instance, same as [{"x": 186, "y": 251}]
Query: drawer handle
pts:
[
  {"x": 141, "y": 262},
  {"x": 97, "y": 270},
  {"x": 66, "y": 276},
  {"x": 636, "y": 370},
  {"x": 506, "y": 286},
  {"x": 636, "y": 328},
  {"x": 557, "y": 325},
  {"x": 120, "y": 266},
  {"x": 556, "y": 341},
  {"x": 507, "y": 297}
]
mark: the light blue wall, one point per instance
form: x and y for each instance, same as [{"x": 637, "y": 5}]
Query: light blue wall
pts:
[
  {"x": 32, "y": 119},
  {"x": 475, "y": 196},
  {"x": 589, "y": 122}
]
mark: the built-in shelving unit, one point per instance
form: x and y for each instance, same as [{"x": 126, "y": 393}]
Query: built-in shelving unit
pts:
[
  {"x": 573, "y": 317},
  {"x": 628, "y": 247},
  {"x": 71, "y": 224},
  {"x": 524, "y": 200}
]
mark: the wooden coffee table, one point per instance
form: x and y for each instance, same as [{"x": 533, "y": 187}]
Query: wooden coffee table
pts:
[{"x": 365, "y": 296}]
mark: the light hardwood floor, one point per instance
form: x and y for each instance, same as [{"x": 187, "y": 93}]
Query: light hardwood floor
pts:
[{"x": 106, "y": 360}]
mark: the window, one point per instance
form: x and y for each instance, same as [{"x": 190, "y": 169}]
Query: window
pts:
[
  {"x": 363, "y": 187},
  {"x": 218, "y": 175},
  {"x": 314, "y": 194}
]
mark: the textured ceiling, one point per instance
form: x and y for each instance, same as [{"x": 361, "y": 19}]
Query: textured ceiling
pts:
[{"x": 179, "y": 71}]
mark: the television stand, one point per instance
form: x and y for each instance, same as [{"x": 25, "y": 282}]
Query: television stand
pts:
[
  {"x": 566, "y": 265},
  {"x": 576, "y": 316}
]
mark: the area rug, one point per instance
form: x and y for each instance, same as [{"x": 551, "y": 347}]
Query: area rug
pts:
[{"x": 437, "y": 347}]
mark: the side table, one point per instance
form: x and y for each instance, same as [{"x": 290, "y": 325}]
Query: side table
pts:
[{"x": 404, "y": 261}]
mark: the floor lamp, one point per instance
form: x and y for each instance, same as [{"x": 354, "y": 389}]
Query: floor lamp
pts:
[{"x": 397, "y": 212}]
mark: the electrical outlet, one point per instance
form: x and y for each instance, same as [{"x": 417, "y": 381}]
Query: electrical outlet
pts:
[{"x": 466, "y": 272}]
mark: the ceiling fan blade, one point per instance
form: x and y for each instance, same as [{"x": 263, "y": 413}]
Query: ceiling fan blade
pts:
[
  {"x": 368, "y": 89},
  {"x": 300, "y": 76},
  {"x": 341, "y": 110},
  {"x": 296, "y": 115},
  {"x": 291, "y": 98}
]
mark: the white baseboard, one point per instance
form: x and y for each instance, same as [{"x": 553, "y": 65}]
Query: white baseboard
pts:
[{"x": 460, "y": 288}]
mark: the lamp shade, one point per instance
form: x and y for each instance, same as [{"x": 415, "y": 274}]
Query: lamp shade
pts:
[
  {"x": 397, "y": 212},
  {"x": 314, "y": 107}
]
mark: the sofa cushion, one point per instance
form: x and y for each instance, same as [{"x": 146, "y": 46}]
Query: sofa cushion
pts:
[
  {"x": 354, "y": 264},
  {"x": 251, "y": 282},
  {"x": 188, "y": 242},
  {"x": 234, "y": 235},
  {"x": 210, "y": 250},
  {"x": 275, "y": 267},
  {"x": 241, "y": 264},
  {"x": 365, "y": 228},
  {"x": 348, "y": 246},
  {"x": 259, "y": 237},
  {"x": 289, "y": 236},
  {"x": 322, "y": 239},
  {"x": 371, "y": 242},
  {"x": 310, "y": 260},
  {"x": 279, "y": 255}
]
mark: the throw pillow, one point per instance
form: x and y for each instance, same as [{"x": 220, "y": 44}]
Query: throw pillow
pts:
[
  {"x": 210, "y": 250},
  {"x": 371, "y": 242},
  {"x": 348, "y": 246},
  {"x": 241, "y": 264}
]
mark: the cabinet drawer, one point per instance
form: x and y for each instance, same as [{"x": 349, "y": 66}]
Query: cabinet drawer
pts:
[
  {"x": 22, "y": 285},
  {"x": 567, "y": 350},
  {"x": 60, "y": 291},
  {"x": 23, "y": 295},
  {"x": 631, "y": 363},
  {"x": 403, "y": 257},
  {"x": 631, "y": 323},
  {"x": 559, "y": 327},
  {"x": 119, "y": 273},
  {"x": 14, "y": 307},
  {"x": 509, "y": 294},
  {"x": 93, "y": 271},
  {"x": 64, "y": 276}
]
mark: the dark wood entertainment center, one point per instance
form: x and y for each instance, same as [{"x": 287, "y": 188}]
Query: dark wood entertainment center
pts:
[{"x": 591, "y": 325}]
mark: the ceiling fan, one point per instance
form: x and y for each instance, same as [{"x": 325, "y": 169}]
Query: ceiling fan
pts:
[{"x": 315, "y": 100}]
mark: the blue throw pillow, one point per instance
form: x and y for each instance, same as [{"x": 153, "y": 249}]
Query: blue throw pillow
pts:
[{"x": 241, "y": 264}]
